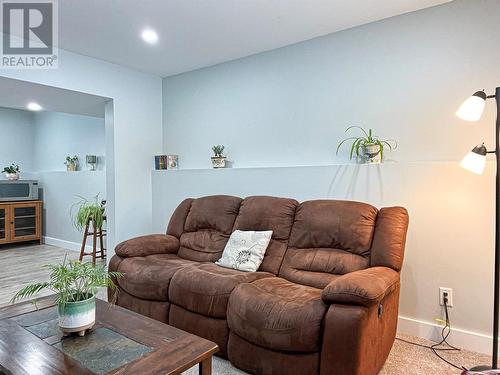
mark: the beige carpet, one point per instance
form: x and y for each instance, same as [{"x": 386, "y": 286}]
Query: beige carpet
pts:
[{"x": 21, "y": 265}]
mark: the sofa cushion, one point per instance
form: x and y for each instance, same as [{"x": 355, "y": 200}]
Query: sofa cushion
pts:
[
  {"x": 178, "y": 219},
  {"x": 268, "y": 213},
  {"x": 390, "y": 238},
  {"x": 277, "y": 314},
  {"x": 207, "y": 227},
  {"x": 149, "y": 277},
  {"x": 366, "y": 287},
  {"x": 205, "y": 289},
  {"x": 216, "y": 212},
  {"x": 328, "y": 238},
  {"x": 148, "y": 245},
  {"x": 157, "y": 310}
]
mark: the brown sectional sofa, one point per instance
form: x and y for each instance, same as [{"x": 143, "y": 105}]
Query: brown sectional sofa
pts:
[{"x": 324, "y": 300}]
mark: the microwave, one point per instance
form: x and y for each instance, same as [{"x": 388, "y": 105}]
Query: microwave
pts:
[{"x": 20, "y": 190}]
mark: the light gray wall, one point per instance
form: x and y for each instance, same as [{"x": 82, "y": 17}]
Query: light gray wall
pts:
[
  {"x": 39, "y": 143},
  {"x": 17, "y": 138},
  {"x": 58, "y": 135},
  {"x": 404, "y": 77},
  {"x": 61, "y": 190},
  {"x": 133, "y": 134}
]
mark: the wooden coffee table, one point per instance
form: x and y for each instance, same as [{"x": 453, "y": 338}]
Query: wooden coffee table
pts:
[{"x": 121, "y": 342}]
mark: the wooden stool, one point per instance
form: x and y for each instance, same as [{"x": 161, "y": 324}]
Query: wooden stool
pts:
[{"x": 98, "y": 233}]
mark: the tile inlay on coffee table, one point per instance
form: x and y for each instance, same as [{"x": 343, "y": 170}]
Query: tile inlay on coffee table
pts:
[
  {"x": 121, "y": 341},
  {"x": 101, "y": 350}
]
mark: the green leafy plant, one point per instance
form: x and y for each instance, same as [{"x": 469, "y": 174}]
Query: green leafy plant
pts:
[
  {"x": 86, "y": 210},
  {"x": 13, "y": 168},
  {"x": 218, "y": 151},
  {"x": 368, "y": 138},
  {"x": 72, "y": 281},
  {"x": 71, "y": 160}
]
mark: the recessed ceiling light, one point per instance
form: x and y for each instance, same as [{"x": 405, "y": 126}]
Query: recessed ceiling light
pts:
[
  {"x": 32, "y": 106},
  {"x": 150, "y": 36}
]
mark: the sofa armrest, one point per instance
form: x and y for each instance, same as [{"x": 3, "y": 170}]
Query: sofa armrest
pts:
[
  {"x": 148, "y": 245},
  {"x": 365, "y": 287}
]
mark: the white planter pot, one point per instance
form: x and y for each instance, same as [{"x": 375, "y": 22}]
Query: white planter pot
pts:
[
  {"x": 71, "y": 167},
  {"x": 219, "y": 161},
  {"x": 12, "y": 176},
  {"x": 371, "y": 154},
  {"x": 77, "y": 316}
]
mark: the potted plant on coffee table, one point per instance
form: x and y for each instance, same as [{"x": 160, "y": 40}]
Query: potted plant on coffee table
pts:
[
  {"x": 75, "y": 284},
  {"x": 368, "y": 147},
  {"x": 12, "y": 172},
  {"x": 218, "y": 160},
  {"x": 71, "y": 163}
]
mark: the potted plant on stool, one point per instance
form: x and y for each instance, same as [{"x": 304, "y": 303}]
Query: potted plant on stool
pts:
[
  {"x": 76, "y": 285},
  {"x": 90, "y": 217}
]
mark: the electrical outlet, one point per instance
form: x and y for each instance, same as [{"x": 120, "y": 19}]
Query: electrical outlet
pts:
[{"x": 449, "y": 293}]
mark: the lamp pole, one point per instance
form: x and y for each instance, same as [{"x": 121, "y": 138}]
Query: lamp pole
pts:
[
  {"x": 497, "y": 234},
  {"x": 481, "y": 150},
  {"x": 474, "y": 161}
]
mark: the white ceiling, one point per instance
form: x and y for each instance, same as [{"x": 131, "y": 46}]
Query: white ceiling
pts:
[
  {"x": 199, "y": 33},
  {"x": 17, "y": 94}
]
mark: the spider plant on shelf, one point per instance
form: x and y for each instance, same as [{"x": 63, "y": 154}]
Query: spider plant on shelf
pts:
[{"x": 368, "y": 148}]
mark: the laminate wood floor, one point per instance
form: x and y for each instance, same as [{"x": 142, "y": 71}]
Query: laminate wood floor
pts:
[{"x": 22, "y": 264}]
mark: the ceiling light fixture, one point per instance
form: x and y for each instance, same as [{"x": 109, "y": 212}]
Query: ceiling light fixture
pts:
[
  {"x": 149, "y": 36},
  {"x": 32, "y": 106}
]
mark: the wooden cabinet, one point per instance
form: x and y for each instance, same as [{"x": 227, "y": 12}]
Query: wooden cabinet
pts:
[
  {"x": 4, "y": 221},
  {"x": 20, "y": 221}
]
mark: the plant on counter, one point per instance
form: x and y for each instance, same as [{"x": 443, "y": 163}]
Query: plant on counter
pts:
[
  {"x": 218, "y": 160},
  {"x": 71, "y": 163},
  {"x": 76, "y": 285},
  {"x": 12, "y": 172},
  {"x": 85, "y": 211},
  {"x": 367, "y": 147}
]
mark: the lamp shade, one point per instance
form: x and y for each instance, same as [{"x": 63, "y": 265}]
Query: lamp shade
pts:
[
  {"x": 472, "y": 108},
  {"x": 475, "y": 160}
]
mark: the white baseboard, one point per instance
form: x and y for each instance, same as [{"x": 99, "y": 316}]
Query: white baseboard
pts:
[
  {"x": 65, "y": 244},
  {"x": 460, "y": 338}
]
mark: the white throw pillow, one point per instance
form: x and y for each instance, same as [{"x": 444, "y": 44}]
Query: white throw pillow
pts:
[{"x": 245, "y": 250}]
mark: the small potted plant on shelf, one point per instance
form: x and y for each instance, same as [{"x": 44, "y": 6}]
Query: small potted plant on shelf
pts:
[
  {"x": 12, "y": 172},
  {"x": 218, "y": 160},
  {"x": 71, "y": 163},
  {"x": 368, "y": 147},
  {"x": 75, "y": 284}
]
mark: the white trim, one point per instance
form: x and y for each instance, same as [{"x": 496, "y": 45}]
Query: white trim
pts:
[
  {"x": 461, "y": 338},
  {"x": 75, "y": 246}
]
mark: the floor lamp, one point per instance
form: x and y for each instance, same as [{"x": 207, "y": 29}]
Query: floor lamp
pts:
[{"x": 474, "y": 161}]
